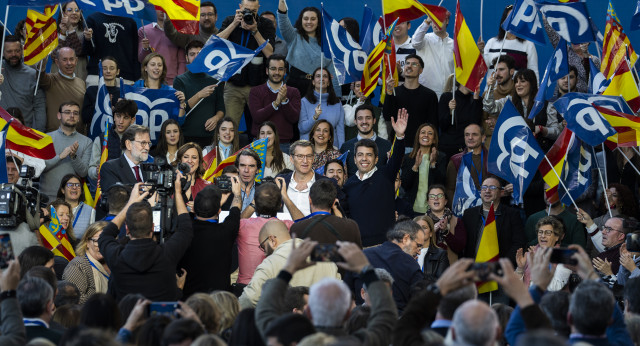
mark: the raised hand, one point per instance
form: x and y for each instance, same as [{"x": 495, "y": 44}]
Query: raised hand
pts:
[{"x": 400, "y": 125}]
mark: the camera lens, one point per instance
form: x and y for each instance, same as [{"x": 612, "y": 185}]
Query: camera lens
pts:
[{"x": 184, "y": 168}]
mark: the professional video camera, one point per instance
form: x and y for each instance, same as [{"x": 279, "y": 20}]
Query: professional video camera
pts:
[
  {"x": 21, "y": 202},
  {"x": 248, "y": 16}
]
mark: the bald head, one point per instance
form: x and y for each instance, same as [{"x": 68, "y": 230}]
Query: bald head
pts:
[
  {"x": 475, "y": 323},
  {"x": 272, "y": 234}
]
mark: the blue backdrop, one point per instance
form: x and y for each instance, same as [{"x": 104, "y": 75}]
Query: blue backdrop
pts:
[{"x": 470, "y": 8}]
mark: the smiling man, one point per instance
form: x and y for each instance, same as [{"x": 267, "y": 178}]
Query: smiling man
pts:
[{"x": 135, "y": 144}]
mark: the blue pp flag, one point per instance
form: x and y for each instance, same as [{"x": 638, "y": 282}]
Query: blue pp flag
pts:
[
  {"x": 221, "y": 59},
  {"x": 155, "y": 106},
  {"x": 466, "y": 195},
  {"x": 4, "y": 177},
  {"x": 347, "y": 55},
  {"x": 102, "y": 114},
  {"x": 123, "y": 8},
  {"x": 343, "y": 158},
  {"x": 570, "y": 20},
  {"x": 584, "y": 120},
  {"x": 371, "y": 32},
  {"x": 525, "y": 22},
  {"x": 635, "y": 20},
  {"x": 514, "y": 154},
  {"x": 598, "y": 83},
  {"x": 557, "y": 68},
  {"x": 576, "y": 173}
]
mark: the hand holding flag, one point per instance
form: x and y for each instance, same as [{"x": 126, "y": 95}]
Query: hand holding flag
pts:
[{"x": 221, "y": 59}]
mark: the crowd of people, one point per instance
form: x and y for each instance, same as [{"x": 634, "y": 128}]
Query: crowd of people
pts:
[{"x": 302, "y": 246}]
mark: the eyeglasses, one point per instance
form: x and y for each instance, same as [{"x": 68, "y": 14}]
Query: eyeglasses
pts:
[
  {"x": 207, "y": 15},
  {"x": 279, "y": 69},
  {"x": 545, "y": 232},
  {"x": 438, "y": 196},
  {"x": 414, "y": 64},
  {"x": 490, "y": 187},
  {"x": 74, "y": 113},
  {"x": 607, "y": 229},
  {"x": 144, "y": 144},
  {"x": 76, "y": 185},
  {"x": 70, "y": 10},
  {"x": 95, "y": 240},
  {"x": 261, "y": 246},
  {"x": 301, "y": 157}
]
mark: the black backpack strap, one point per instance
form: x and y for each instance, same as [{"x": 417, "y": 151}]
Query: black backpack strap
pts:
[{"x": 325, "y": 223}]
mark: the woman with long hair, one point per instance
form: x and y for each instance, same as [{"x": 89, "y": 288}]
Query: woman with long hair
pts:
[
  {"x": 71, "y": 192},
  {"x": 225, "y": 141},
  {"x": 64, "y": 212},
  {"x": 322, "y": 139},
  {"x": 444, "y": 223},
  {"x": 304, "y": 43},
  {"x": 432, "y": 260},
  {"x": 154, "y": 72},
  {"x": 88, "y": 270},
  {"x": 72, "y": 33},
  {"x": 329, "y": 107},
  {"x": 110, "y": 72},
  {"x": 425, "y": 165},
  {"x": 191, "y": 154},
  {"x": 276, "y": 159},
  {"x": 171, "y": 138}
]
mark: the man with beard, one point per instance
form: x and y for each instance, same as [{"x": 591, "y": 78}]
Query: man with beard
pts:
[
  {"x": 501, "y": 84},
  {"x": 135, "y": 144},
  {"x": 273, "y": 101},
  {"x": 208, "y": 18},
  {"x": 365, "y": 121},
  {"x": 574, "y": 232},
  {"x": 19, "y": 84}
]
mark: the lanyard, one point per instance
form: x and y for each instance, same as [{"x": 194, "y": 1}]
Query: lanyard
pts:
[
  {"x": 34, "y": 322},
  {"x": 313, "y": 214},
  {"x": 481, "y": 164},
  {"x": 242, "y": 39},
  {"x": 210, "y": 221},
  {"x": 77, "y": 215},
  {"x": 109, "y": 217},
  {"x": 93, "y": 265}
]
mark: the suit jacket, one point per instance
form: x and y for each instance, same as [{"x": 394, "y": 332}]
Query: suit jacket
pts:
[
  {"x": 116, "y": 170},
  {"x": 341, "y": 196},
  {"x": 436, "y": 262},
  {"x": 384, "y": 146},
  {"x": 346, "y": 229},
  {"x": 43, "y": 332}
]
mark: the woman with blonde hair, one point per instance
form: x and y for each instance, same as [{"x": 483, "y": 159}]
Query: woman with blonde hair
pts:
[
  {"x": 88, "y": 270},
  {"x": 229, "y": 307},
  {"x": 432, "y": 260},
  {"x": 208, "y": 313}
]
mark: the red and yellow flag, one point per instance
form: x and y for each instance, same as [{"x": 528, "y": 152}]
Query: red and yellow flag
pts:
[
  {"x": 389, "y": 68},
  {"x": 25, "y": 139},
  {"x": 47, "y": 238},
  {"x": 42, "y": 35},
  {"x": 103, "y": 158},
  {"x": 488, "y": 250},
  {"x": 557, "y": 155},
  {"x": 406, "y": 10},
  {"x": 615, "y": 45},
  {"x": 469, "y": 63},
  {"x": 376, "y": 62},
  {"x": 627, "y": 126},
  {"x": 184, "y": 14},
  {"x": 623, "y": 84},
  {"x": 65, "y": 249}
]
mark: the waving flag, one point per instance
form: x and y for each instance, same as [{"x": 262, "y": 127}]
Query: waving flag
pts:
[
  {"x": 221, "y": 59},
  {"x": 623, "y": 84},
  {"x": 615, "y": 45},
  {"x": 371, "y": 31},
  {"x": 122, "y": 8},
  {"x": 557, "y": 68},
  {"x": 65, "y": 249},
  {"x": 557, "y": 156},
  {"x": 155, "y": 106},
  {"x": 570, "y": 20},
  {"x": 597, "y": 82},
  {"x": 466, "y": 195},
  {"x": 343, "y": 158},
  {"x": 635, "y": 20},
  {"x": 525, "y": 22},
  {"x": 184, "y": 14},
  {"x": 583, "y": 119},
  {"x": 514, "y": 154},
  {"x": 627, "y": 127},
  {"x": 25, "y": 139},
  {"x": 373, "y": 66},
  {"x": 488, "y": 249},
  {"x": 4, "y": 178},
  {"x": 576, "y": 175},
  {"x": 407, "y": 10},
  {"x": 103, "y": 158},
  {"x": 259, "y": 146},
  {"x": 42, "y": 35},
  {"x": 33, "y": 3},
  {"x": 469, "y": 63},
  {"x": 347, "y": 55},
  {"x": 102, "y": 113},
  {"x": 389, "y": 68}
]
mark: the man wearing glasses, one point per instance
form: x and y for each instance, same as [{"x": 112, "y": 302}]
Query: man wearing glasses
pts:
[
  {"x": 208, "y": 19},
  {"x": 73, "y": 150},
  {"x": 135, "y": 144},
  {"x": 273, "y": 101},
  {"x": 608, "y": 242}
]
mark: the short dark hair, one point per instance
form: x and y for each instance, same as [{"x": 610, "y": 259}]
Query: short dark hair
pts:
[
  {"x": 248, "y": 152},
  {"x": 12, "y": 38},
  {"x": 181, "y": 330},
  {"x": 632, "y": 295},
  {"x": 33, "y": 294},
  {"x": 367, "y": 143},
  {"x": 323, "y": 194},
  {"x": 68, "y": 103},
  {"x": 150, "y": 333},
  {"x": 68, "y": 293},
  {"x": 128, "y": 107},
  {"x": 294, "y": 297},
  {"x": 506, "y": 59},
  {"x": 336, "y": 160},
  {"x": 363, "y": 107},
  {"x": 452, "y": 300},
  {"x": 207, "y": 202},
  {"x": 417, "y": 57},
  {"x": 573, "y": 69},
  {"x": 109, "y": 57},
  {"x": 402, "y": 228},
  {"x": 268, "y": 13},
  {"x": 15, "y": 160},
  {"x": 194, "y": 43},
  {"x": 101, "y": 311},
  {"x": 268, "y": 199},
  {"x": 32, "y": 256},
  {"x": 209, "y": 4},
  {"x": 591, "y": 296},
  {"x": 277, "y": 57},
  {"x": 139, "y": 219},
  {"x": 290, "y": 328},
  {"x": 117, "y": 196},
  {"x": 556, "y": 305},
  {"x": 130, "y": 134}
]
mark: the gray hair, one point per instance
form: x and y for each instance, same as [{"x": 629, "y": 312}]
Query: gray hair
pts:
[
  {"x": 33, "y": 294},
  {"x": 591, "y": 307},
  {"x": 329, "y": 302},
  {"x": 383, "y": 275},
  {"x": 303, "y": 143},
  {"x": 400, "y": 229},
  {"x": 475, "y": 323}
]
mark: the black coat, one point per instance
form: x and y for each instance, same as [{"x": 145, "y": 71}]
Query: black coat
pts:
[
  {"x": 436, "y": 262},
  {"x": 383, "y": 148},
  {"x": 116, "y": 170},
  {"x": 410, "y": 179}
]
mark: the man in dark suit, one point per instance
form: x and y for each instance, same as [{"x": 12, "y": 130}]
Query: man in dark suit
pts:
[
  {"x": 36, "y": 303},
  {"x": 135, "y": 144},
  {"x": 365, "y": 120}
]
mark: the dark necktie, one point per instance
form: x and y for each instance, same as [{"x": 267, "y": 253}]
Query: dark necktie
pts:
[{"x": 137, "y": 170}]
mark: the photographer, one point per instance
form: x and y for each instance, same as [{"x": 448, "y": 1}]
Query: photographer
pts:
[
  {"x": 245, "y": 28},
  {"x": 142, "y": 265}
]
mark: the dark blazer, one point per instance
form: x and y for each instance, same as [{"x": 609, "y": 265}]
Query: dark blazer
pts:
[
  {"x": 436, "y": 262},
  {"x": 346, "y": 229},
  {"x": 508, "y": 224},
  {"x": 43, "y": 332},
  {"x": 384, "y": 146},
  {"x": 116, "y": 170},
  {"x": 341, "y": 196},
  {"x": 411, "y": 179}
]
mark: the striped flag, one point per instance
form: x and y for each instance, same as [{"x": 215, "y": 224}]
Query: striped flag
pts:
[
  {"x": 626, "y": 125},
  {"x": 406, "y": 10},
  {"x": 623, "y": 84},
  {"x": 47, "y": 238},
  {"x": 25, "y": 139},
  {"x": 259, "y": 146},
  {"x": 488, "y": 250},
  {"x": 469, "y": 63},
  {"x": 557, "y": 155},
  {"x": 389, "y": 68},
  {"x": 466, "y": 195},
  {"x": 42, "y": 35},
  {"x": 613, "y": 46},
  {"x": 184, "y": 14},
  {"x": 375, "y": 64},
  {"x": 103, "y": 158},
  {"x": 65, "y": 249}
]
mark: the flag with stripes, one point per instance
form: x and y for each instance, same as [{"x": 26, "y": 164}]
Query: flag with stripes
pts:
[
  {"x": 103, "y": 158},
  {"x": 488, "y": 250},
  {"x": 406, "y": 10},
  {"x": 576, "y": 174},
  {"x": 65, "y": 249},
  {"x": 42, "y": 34},
  {"x": 627, "y": 128},
  {"x": 373, "y": 66},
  {"x": 25, "y": 139},
  {"x": 623, "y": 84},
  {"x": 557, "y": 155},
  {"x": 469, "y": 63},
  {"x": 184, "y": 14},
  {"x": 615, "y": 45},
  {"x": 259, "y": 146},
  {"x": 466, "y": 194},
  {"x": 389, "y": 68}
]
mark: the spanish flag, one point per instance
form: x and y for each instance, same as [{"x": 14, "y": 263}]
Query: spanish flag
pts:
[
  {"x": 184, "y": 14},
  {"x": 623, "y": 84},
  {"x": 42, "y": 35},
  {"x": 27, "y": 140},
  {"x": 469, "y": 63},
  {"x": 65, "y": 249},
  {"x": 557, "y": 155},
  {"x": 406, "y": 10},
  {"x": 259, "y": 146},
  {"x": 614, "y": 45},
  {"x": 627, "y": 126},
  {"x": 488, "y": 250}
]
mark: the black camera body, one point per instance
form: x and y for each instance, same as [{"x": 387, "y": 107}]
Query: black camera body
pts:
[
  {"x": 248, "y": 16},
  {"x": 162, "y": 176},
  {"x": 223, "y": 182},
  {"x": 21, "y": 202}
]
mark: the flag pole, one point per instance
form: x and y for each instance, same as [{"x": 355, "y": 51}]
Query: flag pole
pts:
[
  {"x": 200, "y": 101},
  {"x": 481, "y": 11},
  {"x": 321, "y": 65},
  {"x": 561, "y": 182},
  {"x": 604, "y": 156},
  {"x": 35, "y": 90},
  {"x": 453, "y": 95},
  {"x": 601, "y": 179},
  {"x": 142, "y": 26},
  {"x": 6, "y": 18},
  {"x": 629, "y": 160},
  {"x": 84, "y": 21},
  {"x": 7, "y": 30}
]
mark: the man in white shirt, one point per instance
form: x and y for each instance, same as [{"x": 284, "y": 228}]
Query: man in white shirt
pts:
[{"x": 436, "y": 49}]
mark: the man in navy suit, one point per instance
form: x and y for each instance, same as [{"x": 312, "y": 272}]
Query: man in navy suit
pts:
[
  {"x": 365, "y": 120},
  {"x": 135, "y": 144}
]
